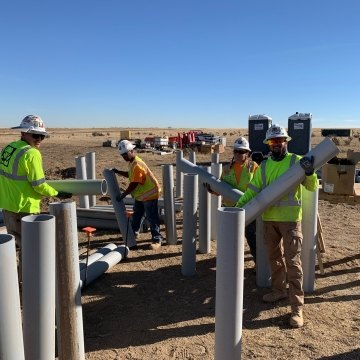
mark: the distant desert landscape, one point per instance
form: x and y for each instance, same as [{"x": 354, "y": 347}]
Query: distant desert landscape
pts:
[{"x": 143, "y": 308}]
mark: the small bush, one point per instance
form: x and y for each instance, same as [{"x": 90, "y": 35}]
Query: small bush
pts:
[
  {"x": 336, "y": 140},
  {"x": 97, "y": 133}
]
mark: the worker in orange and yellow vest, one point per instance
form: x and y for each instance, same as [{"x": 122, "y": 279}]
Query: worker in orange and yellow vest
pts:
[
  {"x": 238, "y": 173},
  {"x": 145, "y": 189},
  {"x": 282, "y": 221}
]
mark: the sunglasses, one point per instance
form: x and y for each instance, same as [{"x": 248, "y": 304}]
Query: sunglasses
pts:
[
  {"x": 240, "y": 151},
  {"x": 276, "y": 141},
  {"x": 38, "y": 136}
]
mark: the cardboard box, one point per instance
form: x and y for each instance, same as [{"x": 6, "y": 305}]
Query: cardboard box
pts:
[
  {"x": 206, "y": 148},
  {"x": 125, "y": 134},
  {"x": 219, "y": 148}
]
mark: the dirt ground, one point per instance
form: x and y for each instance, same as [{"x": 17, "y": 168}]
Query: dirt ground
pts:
[{"x": 143, "y": 308}]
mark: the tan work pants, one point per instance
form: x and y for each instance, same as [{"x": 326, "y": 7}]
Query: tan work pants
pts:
[{"x": 283, "y": 241}]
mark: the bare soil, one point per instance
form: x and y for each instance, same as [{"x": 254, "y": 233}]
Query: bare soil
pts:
[{"x": 143, "y": 308}]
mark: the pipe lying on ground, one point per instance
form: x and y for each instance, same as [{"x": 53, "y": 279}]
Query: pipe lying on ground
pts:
[
  {"x": 102, "y": 265},
  {"x": 229, "y": 283},
  {"x": 38, "y": 290},
  {"x": 119, "y": 208},
  {"x": 70, "y": 332},
  {"x": 11, "y": 334},
  {"x": 322, "y": 153},
  {"x": 97, "y": 255},
  {"x": 80, "y": 187}
]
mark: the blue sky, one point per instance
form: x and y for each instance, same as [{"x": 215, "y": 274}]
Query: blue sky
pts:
[{"x": 179, "y": 63}]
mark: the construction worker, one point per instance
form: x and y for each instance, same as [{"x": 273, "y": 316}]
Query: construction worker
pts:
[
  {"x": 145, "y": 189},
  {"x": 282, "y": 221},
  {"x": 22, "y": 179},
  {"x": 238, "y": 173}
]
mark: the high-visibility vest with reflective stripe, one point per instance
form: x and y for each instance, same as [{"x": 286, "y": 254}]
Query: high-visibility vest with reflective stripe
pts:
[
  {"x": 289, "y": 207},
  {"x": 150, "y": 190},
  {"x": 246, "y": 173},
  {"x": 22, "y": 179}
]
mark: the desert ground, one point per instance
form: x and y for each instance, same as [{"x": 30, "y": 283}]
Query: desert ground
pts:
[{"x": 143, "y": 308}]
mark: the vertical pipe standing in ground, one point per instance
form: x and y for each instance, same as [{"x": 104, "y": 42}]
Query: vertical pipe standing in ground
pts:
[
  {"x": 11, "y": 335},
  {"x": 70, "y": 332},
  {"x": 229, "y": 283},
  {"x": 81, "y": 174},
  {"x": 91, "y": 173},
  {"x": 38, "y": 290},
  {"x": 119, "y": 208},
  {"x": 169, "y": 204},
  {"x": 215, "y": 158},
  {"x": 192, "y": 156},
  {"x": 188, "y": 266},
  {"x": 309, "y": 230},
  {"x": 204, "y": 217},
  {"x": 179, "y": 175},
  {"x": 216, "y": 170},
  {"x": 263, "y": 270}
]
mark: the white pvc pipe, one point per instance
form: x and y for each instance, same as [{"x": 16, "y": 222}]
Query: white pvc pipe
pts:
[
  {"x": 169, "y": 207},
  {"x": 119, "y": 208},
  {"x": 91, "y": 173},
  {"x": 263, "y": 269},
  {"x": 81, "y": 175},
  {"x": 188, "y": 264},
  {"x": 11, "y": 334},
  {"x": 204, "y": 217},
  {"x": 229, "y": 283},
  {"x": 38, "y": 290},
  {"x": 322, "y": 153},
  {"x": 80, "y": 187},
  {"x": 102, "y": 265},
  {"x": 179, "y": 174},
  {"x": 97, "y": 255},
  {"x": 215, "y": 158},
  {"x": 216, "y": 170},
  {"x": 105, "y": 224},
  {"x": 192, "y": 157},
  {"x": 70, "y": 332},
  {"x": 309, "y": 230}
]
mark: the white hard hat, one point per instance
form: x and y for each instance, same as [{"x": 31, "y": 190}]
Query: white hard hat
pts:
[
  {"x": 276, "y": 131},
  {"x": 125, "y": 146},
  {"x": 32, "y": 124},
  {"x": 241, "y": 144}
]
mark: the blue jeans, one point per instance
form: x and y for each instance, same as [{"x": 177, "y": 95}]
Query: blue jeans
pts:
[{"x": 151, "y": 211}]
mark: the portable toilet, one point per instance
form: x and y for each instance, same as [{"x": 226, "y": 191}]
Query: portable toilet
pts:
[
  {"x": 258, "y": 125},
  {"x": 299, "y": 128}
]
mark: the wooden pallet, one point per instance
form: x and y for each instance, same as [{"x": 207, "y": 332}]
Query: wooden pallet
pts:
[{"x": 320, "y": 245}]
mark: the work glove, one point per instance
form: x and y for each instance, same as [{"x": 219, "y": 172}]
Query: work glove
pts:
[
  {"x": 120, "y": 197},
  {"x": 64, "y": 195},
  {"x": 307, "y": 163},
  {"x": 115, "y": 170}
]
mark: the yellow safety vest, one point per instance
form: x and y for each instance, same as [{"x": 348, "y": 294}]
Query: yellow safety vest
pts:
[
  {"x": 22, "y": 179},
  {"x": 150, "y": 190}
]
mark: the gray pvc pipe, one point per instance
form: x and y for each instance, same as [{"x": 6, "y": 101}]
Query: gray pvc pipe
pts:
[
  {"x": 192, "y": 157},
  {"x": 309, "y": 230},
  {"x": 179, "y": 174},
  {"x": 81, "y": 175},
  {"x": 263, "y": 269},
  {"x": 102, "y": 265},
  {"x": 11, "y": 334},
  {"x": 119, "y": 208},
  {"x": 216, "y": 184},
  {"x": 105, "y": 224},
  {"x": 80, "y": 187},
  {"x": 216, "y": 170},
  {"x": 169, "y": 207},
  {"x": 322, "y": 153},
  {"x": 188, "y": 264},
  {"x": 91, "y": 173},
  {"x": 229, "y": 283},
  {"x": 38, "y": 290},
  {"x": 215, "y": 158},
  {"x": 70, "y": 332},
  {"x": 97, "y": 255},
  {"x": 204, "y": 218}
]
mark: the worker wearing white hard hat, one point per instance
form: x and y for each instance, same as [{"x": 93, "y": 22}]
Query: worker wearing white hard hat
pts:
[
  {"x": 238, "y": 173},
  {"x": 144, "y": 188},
  {"x": 282, "y": 221}
]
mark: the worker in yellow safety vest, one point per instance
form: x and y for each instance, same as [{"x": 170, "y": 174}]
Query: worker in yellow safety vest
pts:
[
  {"x": 238, "y": 173},
  {"x": 22, "y": 179},
  {"x": 282, "y": 221},
  {"x": 145, "y": 189}
]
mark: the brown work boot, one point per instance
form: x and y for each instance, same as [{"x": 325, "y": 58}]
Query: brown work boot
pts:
[
  {"x": 274, "y": 296},
  {"x": 296, "y": 319},
  {"x": 155, "y": 245}
]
